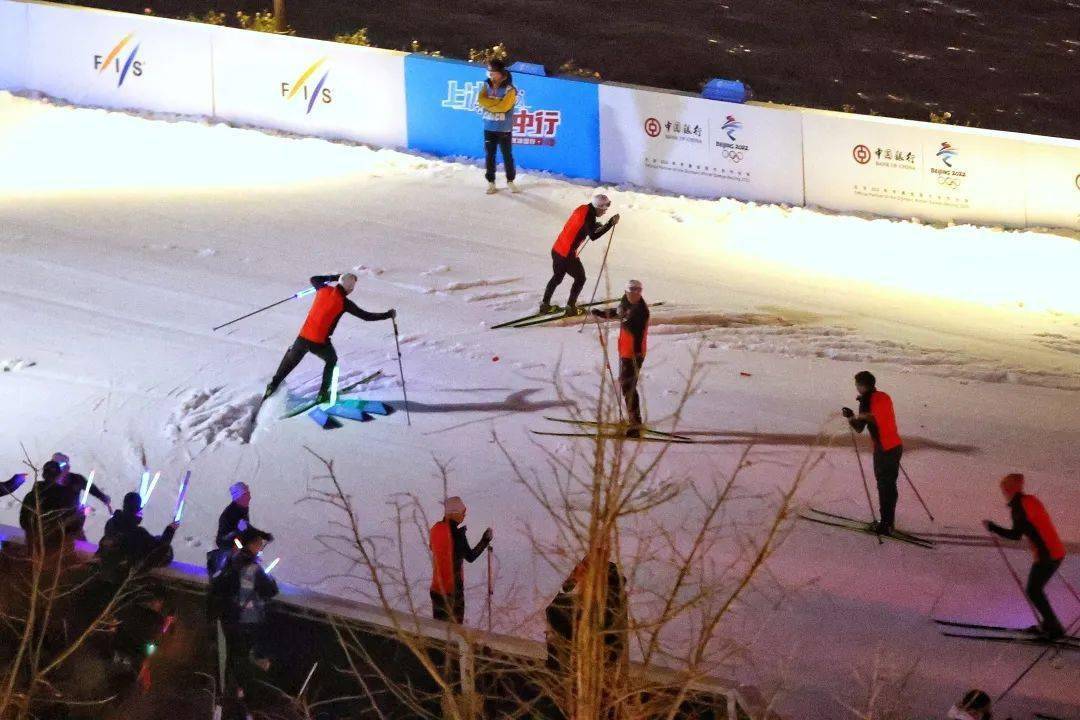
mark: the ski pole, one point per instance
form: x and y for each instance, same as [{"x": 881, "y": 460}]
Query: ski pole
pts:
[
  {"x": 294, "y": 296},
  {"x": 401, "y": 371},
  {"x": 490, "y": 588},
  {"x": 1019, "y": 583},
  {"x": 916, "y": 490},
  {"x": 607, "y": 363},
  {"x": 599, "y": 275},
  {"x": 866, "y": 486}
]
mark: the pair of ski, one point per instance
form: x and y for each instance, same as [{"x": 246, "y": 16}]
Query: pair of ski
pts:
[
  {"x": 557, "y": 313},
  {"x": 846, "y": 523},
  {"x": 349, "y": 408},
  {"x": 613, "y": 431},
  {"x": 1004, "y": 634}
]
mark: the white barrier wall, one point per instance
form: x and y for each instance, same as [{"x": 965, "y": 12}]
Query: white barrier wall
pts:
[
  {"x": 1052, "y": 180},
  {"x": 13, "y": 42},
  {"x": 909, "y": 169},
  {"x": 700, "y": 147},
  {"x": 119, "y": 60},
  {"x": 311, "y": 87}
]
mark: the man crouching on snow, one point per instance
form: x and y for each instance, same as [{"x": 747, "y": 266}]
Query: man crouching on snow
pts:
[{"x": 329, "y": 305}]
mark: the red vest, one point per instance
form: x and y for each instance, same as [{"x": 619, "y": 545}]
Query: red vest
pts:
[
  {"x": 626, "y": 343},
  {"x": 1040, "y": 519},
  {"x": 442, "y": 558},
  {"x": 328, "y": 306},
  {"x": 564, "y": 245},
  {"x": 885, "y": 419}
]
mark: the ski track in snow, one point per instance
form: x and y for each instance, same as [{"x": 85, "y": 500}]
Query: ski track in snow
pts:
[
  {"x": 213, "y": 417},
  {"x": 839, "y": 343},
  {"x": 15, "y": 364}
]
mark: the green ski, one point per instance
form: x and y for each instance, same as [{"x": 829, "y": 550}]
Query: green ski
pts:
[{"x": 306, "y": 405}]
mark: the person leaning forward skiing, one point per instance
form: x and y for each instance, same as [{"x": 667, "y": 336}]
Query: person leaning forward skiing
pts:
[
  {"x": 329, "y": 305},
  {"x": 1030, "y": 520},
  {"x": 564, "y": 253},
  {"x": 633, "y": 315}
]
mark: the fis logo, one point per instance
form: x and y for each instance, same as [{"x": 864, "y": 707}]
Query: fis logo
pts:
[
  {"x": 121, "y": 65},
  {"x": 318, "y": 93},
  {"x": 731, "y": 127},
  {"x": 947, "y": 153}
]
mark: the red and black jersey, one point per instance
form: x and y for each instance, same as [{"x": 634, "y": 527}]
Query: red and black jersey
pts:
[
  {"x": 580, "y": 225},
  {"x": 882, "y": 428},
  {"x": 633, "y": 327},
  {"x": 1031, "y": 520},
  {"x": 329, "y": 305},
  {"x": 449, "y": 549}
]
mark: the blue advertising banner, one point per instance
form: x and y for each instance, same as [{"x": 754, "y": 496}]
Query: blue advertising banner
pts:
[{"x": 556, "y": 121}]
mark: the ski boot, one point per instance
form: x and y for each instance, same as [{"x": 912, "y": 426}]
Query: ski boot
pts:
[
  {"x": 492, "y": 189},
  {"x": 547, "y": 308},
  {"x": 573, "y": 310},
  {"x": 513, "y": 188},
  {"x": 270, "y": 390},
  {"x": 634, "y": 431},
  {"x": 880, "y": 528}
]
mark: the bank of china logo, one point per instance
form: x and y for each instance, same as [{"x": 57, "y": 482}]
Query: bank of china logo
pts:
[
  {"x": 118, "y": 63},
  {"x": 302, "y": 88},
  {"x": 947, "y": 152},
  {"x": 731, "y": 126}
]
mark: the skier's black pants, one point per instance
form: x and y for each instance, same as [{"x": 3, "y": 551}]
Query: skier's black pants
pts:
[
  {"x": 560, "y": 268},
  {"x": 629, "y": 371},
  {"x": 296, "y": 353},
  {"x": 450, "y": 608},
  {"x": 502, "y": 141},
  {"x": 886, "y": 471},
  {"x": 1040, "y": 574}
]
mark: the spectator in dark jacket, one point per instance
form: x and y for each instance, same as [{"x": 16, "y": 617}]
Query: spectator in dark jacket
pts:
[
  {"x": 127, "y": 548},
  {"x": 53, "y": 507},
  {"x": 240, "y": 596},
  {"x": 234, "y": 518},
  {"x": 564, "y": 612}
]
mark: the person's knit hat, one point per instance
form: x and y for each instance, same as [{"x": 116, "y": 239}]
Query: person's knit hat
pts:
[
  {"x": 601, "y": 201},
  {"x": 250, "y": 533},
  {"x": 237, "y": 489},
  {"x": 454, "y": 505},
  {"x": 1013, "y": 482},
  {"x": 634, "y": 286}
]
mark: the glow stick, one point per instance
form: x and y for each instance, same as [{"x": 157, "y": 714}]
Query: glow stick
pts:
[
  {"x": 237, "y": 543},
  {"x": 150, "y": 490},
  {"x": 181, "y": 496},
  {"x": 304, "y": 292},
  {"x": 86, "y": 490},
  {"x": 333, "y": 387},
  {"x": 271, "y": 566},
  {"x": 143, "y": 483}
]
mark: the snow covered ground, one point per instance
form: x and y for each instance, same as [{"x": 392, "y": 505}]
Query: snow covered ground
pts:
[{"x": 123, "y": 240}]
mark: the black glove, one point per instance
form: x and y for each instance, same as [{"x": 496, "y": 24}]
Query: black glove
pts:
[
  {"x": 393, "y": 313},
  {"x": 847, "y": 412}
]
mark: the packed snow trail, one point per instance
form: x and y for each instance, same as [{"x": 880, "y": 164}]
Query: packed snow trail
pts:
[{"x": 124, "y": 240}]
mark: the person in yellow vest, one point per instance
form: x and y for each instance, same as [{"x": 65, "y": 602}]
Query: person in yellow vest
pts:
[
  {"x": 579, "y": 227},
  {"x": 633, "y": 315},
  {"x": 497, "y": 99}
]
